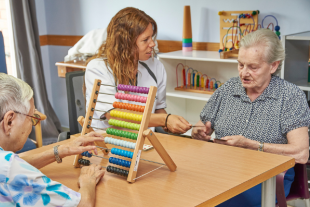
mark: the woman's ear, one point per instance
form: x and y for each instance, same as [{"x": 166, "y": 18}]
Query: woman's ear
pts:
[
  {"x": 8, "y": 122},
  {"x": 274, "y": 67}
]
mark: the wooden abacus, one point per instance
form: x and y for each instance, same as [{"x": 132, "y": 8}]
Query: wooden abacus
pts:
[{"x": 140, "y": 137}]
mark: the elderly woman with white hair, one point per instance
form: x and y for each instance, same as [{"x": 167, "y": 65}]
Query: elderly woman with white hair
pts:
[
  {"x": 258, "y": 110},
  {"x": 21, "y": 183}
]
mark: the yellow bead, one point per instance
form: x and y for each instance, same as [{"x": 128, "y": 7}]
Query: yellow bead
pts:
[{"x": 112, "y": 113}]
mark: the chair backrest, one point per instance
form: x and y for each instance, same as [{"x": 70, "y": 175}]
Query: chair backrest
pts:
[
  {"x": 299, "y": 188},
  {"x": 76, "y": 100}
]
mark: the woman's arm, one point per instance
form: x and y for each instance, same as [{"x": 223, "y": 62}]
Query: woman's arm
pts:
[
  {"x": 74, "y": 147},
  {"x": 297, "y": 146}
]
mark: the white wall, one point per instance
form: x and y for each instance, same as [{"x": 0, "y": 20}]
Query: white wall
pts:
[{"x": 77, "y": 17}]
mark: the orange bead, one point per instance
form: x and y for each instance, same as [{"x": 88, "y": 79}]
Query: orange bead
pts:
[
  {"x": 130, "y": 107},
  {"x": 143, "y": 107}
]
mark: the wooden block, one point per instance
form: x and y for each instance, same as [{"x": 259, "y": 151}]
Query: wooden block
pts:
[{"x": 187, "y": 23}]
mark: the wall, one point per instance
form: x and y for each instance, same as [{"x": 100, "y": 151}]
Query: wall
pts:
[{"x": 77, "y": 17}]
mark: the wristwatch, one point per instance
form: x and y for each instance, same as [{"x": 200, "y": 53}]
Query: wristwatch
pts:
[
  {"x": 58, "y": 159},
  {"x": 261, "y": 147}
]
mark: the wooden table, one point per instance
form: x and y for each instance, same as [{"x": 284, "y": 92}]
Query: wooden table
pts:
[
  {"x": 70, "y": 66},
  {"x": 207, "y": 174}
]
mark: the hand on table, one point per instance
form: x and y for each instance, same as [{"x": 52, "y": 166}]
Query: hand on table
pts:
[
  {"x": 90, "y": 175},
  {"x": 177, "y": 124},
  {"x": 202, "y": 133},
  {"x": 237, "y": 141},
  {"x": 80, "y": 144}
]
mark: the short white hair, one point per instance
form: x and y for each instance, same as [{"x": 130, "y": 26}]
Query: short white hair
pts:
[
  {"x": 274, "y": 50},
  {"x": 15, "y": 95}
]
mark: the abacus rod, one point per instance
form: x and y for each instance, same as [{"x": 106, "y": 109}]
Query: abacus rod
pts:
[
  {"x": 92, "y": 163},
  {"x": 104, "y": 102},
  {"x": 99, "y": 110},
  {"x": 107, "y": 94},
  {"x": 103, "y": 148},
  {"x": 98, "y": 119},
  {"x": 108, "y": 85},
  {"x": 97, "y": 128}
]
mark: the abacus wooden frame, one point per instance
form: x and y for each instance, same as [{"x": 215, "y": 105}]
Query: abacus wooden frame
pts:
[{"x": 143, "y": 133}]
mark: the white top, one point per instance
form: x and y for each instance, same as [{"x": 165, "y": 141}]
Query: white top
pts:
[{"x": 97, "y": 69}]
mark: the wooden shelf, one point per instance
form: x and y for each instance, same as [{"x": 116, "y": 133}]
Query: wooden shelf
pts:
[
  {"x": 188, "y": 95},
  {"x": 303, "y": 85},
  {"x": 197, "y": 55}
]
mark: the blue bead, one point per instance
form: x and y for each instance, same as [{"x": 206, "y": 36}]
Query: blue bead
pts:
[
  {"x": 277, "y": 28},
  {"x": 216, "y": 86},
  {"x": 111, "y": 159},
  {"x": 220, "y": 50}
]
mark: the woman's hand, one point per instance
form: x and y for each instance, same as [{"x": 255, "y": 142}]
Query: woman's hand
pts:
[
  {"x": 177, "y": 124},
  {"x": 236, "y": 141},
  {"x": 90, "y": 175},
  {"x": 80, "y": 144},
  {"x": 201, "y": 131},
  {"x": 89, "y": 178}
]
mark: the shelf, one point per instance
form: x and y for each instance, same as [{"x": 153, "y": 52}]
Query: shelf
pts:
[
  {"x": 299, "y": 36},
  {"x": 210, "y": 56},
  {"x": 188, "y": 95},
  {"x": 303, "y": 85}
]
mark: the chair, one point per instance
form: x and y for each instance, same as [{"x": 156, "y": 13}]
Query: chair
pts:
[
  {"x": 299, "y": 188},
  {"x": 76, "y": 102}
]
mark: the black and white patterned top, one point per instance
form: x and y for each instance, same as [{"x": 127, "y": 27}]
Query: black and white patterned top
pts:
[{"x": 282, "y": 107}]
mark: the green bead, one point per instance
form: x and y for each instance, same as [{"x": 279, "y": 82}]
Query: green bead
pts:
[
  {"x": 254, "y": 13},
  {"x": 136, "y": 137},
  {"x": 278, "y": 33}
]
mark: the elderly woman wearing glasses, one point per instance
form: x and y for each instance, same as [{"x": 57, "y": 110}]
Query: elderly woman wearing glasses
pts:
[
  {"x": 258, "y": 110},
  {"x": 21, "y": 183}
]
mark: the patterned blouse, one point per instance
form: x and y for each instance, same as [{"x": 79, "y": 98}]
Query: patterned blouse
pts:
[
  {"x": 282, "y": 107},
  {"x": 21, "y": 184}
]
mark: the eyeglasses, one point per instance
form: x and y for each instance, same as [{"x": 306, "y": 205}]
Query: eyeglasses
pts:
[{"x": 34, "y": 119}]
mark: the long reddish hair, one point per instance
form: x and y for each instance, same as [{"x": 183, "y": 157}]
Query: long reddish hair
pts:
[{"x": 120, "y": 51}]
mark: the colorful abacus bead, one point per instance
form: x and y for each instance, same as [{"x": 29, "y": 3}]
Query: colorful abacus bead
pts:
[
  {"x": 131, "y": 97},
  {"x": 121, "y": 143},
  {"x": 84, "y": 162},
  {"x": 135, "y": 89},
  {"x": 121, "y": 133},
  {"x": 86, "y": 154},
  {"x": 124, "y": 124},
  {"x": 123, "y": 153},
  {"x": 119, "y": 162},
  {"x": 125, "y": 115},
  {"x": 117, "y": 171}
]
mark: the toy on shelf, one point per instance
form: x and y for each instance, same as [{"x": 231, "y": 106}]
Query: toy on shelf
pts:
[
  {"x": 194, "y": 81},
  {"x": 187, "y": 43},
  {"x": 236, "y": 24},
  {"x": 133, "y": 142}
]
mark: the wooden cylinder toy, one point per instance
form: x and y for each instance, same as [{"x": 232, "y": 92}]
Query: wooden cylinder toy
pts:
[{"x": 187, "y": 30}]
